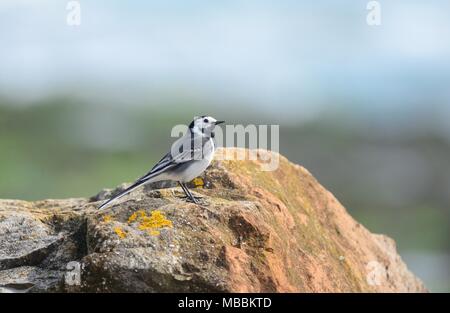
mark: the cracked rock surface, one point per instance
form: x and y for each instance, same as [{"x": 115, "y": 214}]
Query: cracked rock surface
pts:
[{"x": 253, "y": 231}]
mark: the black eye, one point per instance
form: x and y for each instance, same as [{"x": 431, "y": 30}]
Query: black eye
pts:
[{"x": 206, "y": 120}]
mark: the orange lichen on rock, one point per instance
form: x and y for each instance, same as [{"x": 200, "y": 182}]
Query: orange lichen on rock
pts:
[
  {"x": 132, "y": 218},
  {"x": 119, "y": 231},
  {"x": 198, "y": 182},
  {"x": 107, "y": 218},
  {"x": 151, "y": 223}
]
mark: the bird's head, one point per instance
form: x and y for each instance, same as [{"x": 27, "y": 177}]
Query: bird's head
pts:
[{"x": 204, "y": 125}]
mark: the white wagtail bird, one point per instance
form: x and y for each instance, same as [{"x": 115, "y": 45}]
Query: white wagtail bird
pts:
[{"x": 189, "y": 157}]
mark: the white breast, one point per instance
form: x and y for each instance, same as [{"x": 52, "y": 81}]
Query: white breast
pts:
[{"x": 196, "y": 168}]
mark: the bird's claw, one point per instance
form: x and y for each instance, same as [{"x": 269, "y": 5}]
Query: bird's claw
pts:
[{"x": 194, "y": 200}]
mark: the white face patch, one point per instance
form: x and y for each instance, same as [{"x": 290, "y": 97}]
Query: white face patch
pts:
[{"x": 204, "y": 125}]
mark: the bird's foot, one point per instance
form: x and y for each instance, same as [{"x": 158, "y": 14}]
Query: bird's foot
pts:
[
  {"x": 196, "y": 200},
  {"x": 187, "y": 197}
]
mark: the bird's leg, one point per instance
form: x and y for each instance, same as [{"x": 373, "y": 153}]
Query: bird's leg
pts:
[
  {"x": 188, "y": 193},
  {"x": 184, "y": 190}
]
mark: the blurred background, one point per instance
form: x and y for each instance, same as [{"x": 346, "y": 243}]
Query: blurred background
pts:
[{"x": 365, "y": 108}]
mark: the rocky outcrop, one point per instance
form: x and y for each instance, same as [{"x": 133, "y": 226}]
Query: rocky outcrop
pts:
[{"x": 253, "y": 231}]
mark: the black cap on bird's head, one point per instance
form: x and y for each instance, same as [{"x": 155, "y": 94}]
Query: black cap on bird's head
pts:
[{"x": 204, "y": 123}]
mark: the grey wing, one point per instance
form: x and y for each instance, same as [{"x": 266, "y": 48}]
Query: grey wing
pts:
[
  {"x": 182, "y": 152},
  {"x": 163, "y": 164}
]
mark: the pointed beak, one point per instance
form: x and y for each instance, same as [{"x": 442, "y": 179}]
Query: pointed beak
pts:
[{"x": 219, "y": 122}]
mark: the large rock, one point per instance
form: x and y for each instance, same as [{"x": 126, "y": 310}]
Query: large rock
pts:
[{"x": 254, "y": 231}]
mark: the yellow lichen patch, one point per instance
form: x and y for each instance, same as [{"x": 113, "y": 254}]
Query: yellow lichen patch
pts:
[
  {"x": 119, "y": 231},
  {"x": 153, "y": 222},
  {"x": 154, "y": 232},
  {"x": 132, "y": 218},
  {"x": 107, "y": 218},
  {"x": 198, "y": 182}
]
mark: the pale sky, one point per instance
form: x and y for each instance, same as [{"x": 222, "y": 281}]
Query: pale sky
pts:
[{"x": 273, "y": 54}]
